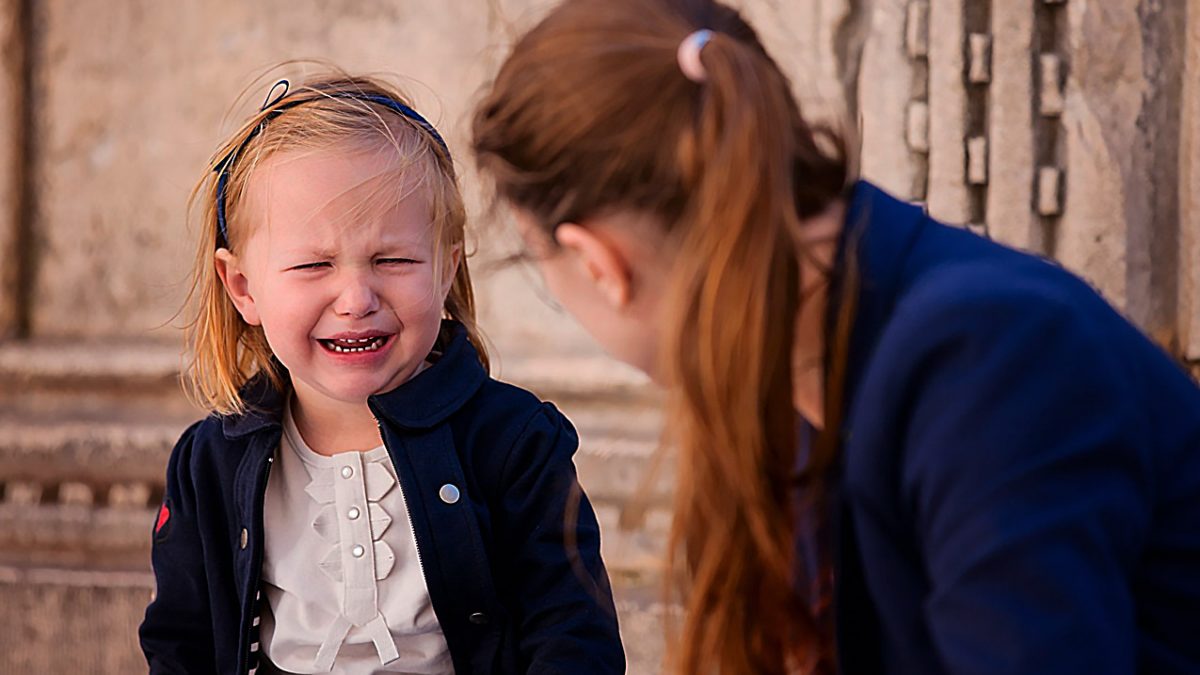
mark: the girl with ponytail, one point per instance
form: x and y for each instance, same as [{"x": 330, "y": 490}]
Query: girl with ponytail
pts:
[{"x": 901, "y": 448}]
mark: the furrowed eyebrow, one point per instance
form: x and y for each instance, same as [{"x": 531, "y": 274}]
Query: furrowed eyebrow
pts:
[{"x": 310, "y": 253}]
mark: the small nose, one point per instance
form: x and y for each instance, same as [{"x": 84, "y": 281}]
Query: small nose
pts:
[{"x": 357, "y": 298}]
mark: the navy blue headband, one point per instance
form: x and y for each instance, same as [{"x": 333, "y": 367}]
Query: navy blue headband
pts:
[{"x": 223, "y": 166}]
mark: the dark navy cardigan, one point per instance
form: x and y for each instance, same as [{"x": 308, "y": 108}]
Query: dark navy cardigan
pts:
[
  {"x": 510, "y": 595},
  {"x": 1021, "y": 479}
]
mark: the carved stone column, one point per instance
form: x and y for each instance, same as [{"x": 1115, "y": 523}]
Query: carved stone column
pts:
[
  {"x": 893, "y": 99},
  {"x": 1189, "y": 191},
  {"x": 12, "y": 106},
  {"x": 948, "y": 195}
]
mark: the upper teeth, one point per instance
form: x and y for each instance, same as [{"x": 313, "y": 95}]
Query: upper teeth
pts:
[{"x": 368, "y": 344}]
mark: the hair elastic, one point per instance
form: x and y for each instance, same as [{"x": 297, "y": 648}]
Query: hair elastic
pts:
[
  {"x": 688, "y": 55},
  {"x": 222, "y": 168}
]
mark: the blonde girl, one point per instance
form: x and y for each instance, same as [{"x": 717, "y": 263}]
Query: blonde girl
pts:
[{"x": 364, "y": 498}]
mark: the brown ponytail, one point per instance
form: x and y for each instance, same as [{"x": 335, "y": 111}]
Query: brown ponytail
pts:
[
  {"x": 731, "y": 406},
  {"x": 591, "y": 112}
]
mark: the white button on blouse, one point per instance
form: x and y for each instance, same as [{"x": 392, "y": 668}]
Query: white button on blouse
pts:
[{"x": 345, "y": 593}]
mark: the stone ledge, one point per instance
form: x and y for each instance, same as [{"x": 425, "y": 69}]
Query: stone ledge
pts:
[
  {"x": 76, "y": 578},
  {"x": 612, "y": 471},
  {"x": 96, "y": 615},
  {"x": 95, "y": 452},
  {"x": 595, "y": 419},
  {"x": 105, "y": 453},
  {"x": 583, "y": 377},
  {"x": 633, "y": 557},
  {"x": 77, "y": 527},
  {"x": 644, "y": 615},
  {"x": 34, "y": 527},
  {"x": 73, "y": 362},
  {"x": 64, "y": 627}
]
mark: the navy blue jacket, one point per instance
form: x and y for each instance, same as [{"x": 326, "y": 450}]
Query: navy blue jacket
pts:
[
  {"x": 510, "y": 594},
  {"x": 1021, "y": 479}
]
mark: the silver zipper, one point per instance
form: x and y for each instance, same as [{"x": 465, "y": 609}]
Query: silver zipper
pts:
[
  {"x": 257, "y": 564},
  {"x": 404, "y": 499}
]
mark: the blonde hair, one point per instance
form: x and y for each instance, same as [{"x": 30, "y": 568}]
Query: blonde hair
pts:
[{"x": 226, "y": 352}]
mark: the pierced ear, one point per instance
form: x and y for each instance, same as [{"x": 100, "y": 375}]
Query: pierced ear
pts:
[
  {"x": 237, "y": 286},
  {"x": 602, "y": 262}
]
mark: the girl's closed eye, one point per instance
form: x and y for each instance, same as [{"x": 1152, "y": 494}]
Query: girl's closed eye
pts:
[
  {"x": 309, "y": 266},
  {"x": 398, "y": 261}
]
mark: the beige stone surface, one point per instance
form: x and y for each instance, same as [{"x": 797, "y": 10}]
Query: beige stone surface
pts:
[
  {"x": 131, "y": 98},
  {"x": 1189, "y": 180},
  {"x": 948, "y": 198},
  {"x": 1010, "y": 215},
  {"x": 114, "y": 174},
  {"x": 885, "y": 88},
  {"x": 11, "y": 105},
  {"x": 72, "y": 625},
  {"x": 86, "y": 622},
  {"x": 1106, "y": 180},
  {"x": 801, "y": 37}
]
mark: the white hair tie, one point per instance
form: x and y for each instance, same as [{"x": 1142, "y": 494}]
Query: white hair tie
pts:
[{"x": 688, "y": 55}]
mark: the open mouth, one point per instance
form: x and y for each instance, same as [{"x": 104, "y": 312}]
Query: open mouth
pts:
[{"x": 352, "y": 346}]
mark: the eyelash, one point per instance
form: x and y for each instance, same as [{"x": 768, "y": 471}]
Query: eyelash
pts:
[{"x": 401, "y": 261}]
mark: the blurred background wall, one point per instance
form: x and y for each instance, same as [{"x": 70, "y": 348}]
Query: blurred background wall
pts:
[{"x": 1067, "y": 127}]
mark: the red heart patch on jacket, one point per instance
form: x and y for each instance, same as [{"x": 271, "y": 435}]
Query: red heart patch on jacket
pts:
[{"x": 163, "y": 515}]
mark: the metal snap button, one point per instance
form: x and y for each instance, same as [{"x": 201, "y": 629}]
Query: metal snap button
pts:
[
  {"x": 358, "y": 551},
  {"x": 478, "y": 618},
  {"x": 353, "y": 513},
  {"x": 347, "y": 472},
  {"x": 449, "y": 493},
  {"x": 245, "y": 538}
]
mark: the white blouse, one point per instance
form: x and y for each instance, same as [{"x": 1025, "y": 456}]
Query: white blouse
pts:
[{"x": 344, "y": 587}]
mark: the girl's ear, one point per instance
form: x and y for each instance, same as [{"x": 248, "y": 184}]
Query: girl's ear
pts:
[
  {"x": 456, "y": 255},
  {"x": 237, "y": 286},
  {"x": 600, "y": 260}
]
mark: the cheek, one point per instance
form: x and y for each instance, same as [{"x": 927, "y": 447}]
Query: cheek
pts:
[
  {"x": 288, "y": 303},
  {"x": 577, "y": 297},
  {"x": 558, "y": 281},
  {"x": 416, "y": 294}
]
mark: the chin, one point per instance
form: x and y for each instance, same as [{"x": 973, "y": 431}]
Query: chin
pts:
[{"x": 357, "y": 392}]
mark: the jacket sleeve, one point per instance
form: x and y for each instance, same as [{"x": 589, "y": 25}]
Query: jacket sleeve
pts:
[
  {"x": 176, "y": 634},
  {"x": 1024, "y": 471},
  {"x": 566, "y": 620}
]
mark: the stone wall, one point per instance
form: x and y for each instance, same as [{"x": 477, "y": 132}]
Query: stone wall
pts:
[
  {"x": 12, "y": 163},
  {"x": 1189, "y": 195},
  {"x": 1057, "y": 126},
  {"x": 1053, "y": 125},
  {"x": 1066, "y": 127}
]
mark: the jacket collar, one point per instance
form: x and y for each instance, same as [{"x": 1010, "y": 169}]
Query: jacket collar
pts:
[
  {"x": 422, "y": 402},
  {"x": 264, "y": 407},
  {"x": 438, "y": 391},
  {"x": 880, "y": 231}
]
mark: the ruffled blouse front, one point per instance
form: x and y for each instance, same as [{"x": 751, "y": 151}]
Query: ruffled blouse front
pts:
[{"x": 343, "y": 583}]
